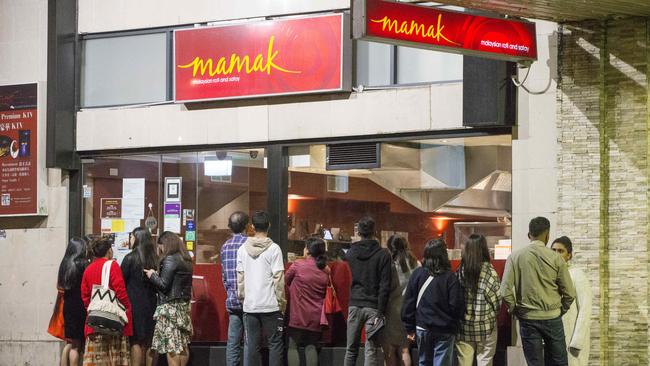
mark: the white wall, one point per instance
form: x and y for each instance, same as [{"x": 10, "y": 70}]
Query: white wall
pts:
[
  {"x": 103, "y": 16},
  {"x": 30, "y": 253},
  {"x": 534, "y": 151},
  {"x": 412, "y": 109}
]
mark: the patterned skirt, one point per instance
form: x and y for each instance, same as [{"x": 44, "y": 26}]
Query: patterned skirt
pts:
[
  {"x": 106, "y": 350},
  {"x": 173, "y": 330}
]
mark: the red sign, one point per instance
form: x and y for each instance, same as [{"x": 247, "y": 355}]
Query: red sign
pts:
[
  {"x": 444, "y": 30},
  {"x": 18, "y": 150},
  {"x": 274, "y": 57}
]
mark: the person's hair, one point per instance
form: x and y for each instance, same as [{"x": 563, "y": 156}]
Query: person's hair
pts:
[
  {"x": 145, "y": 248},
  {"x": 173, "y": 244},
  {"x": 400, "y": 252},
  {"x": 73, "y": 264},
  {"x": 316, "y": 248},
  {"x": 366, "y": 227},
  {"x": 237, "y": 222},
  {"x": 261, "y": 221},
  {"x": 101, "y": 245},
  {"x": 435, "y": 259},
  {"x": 474, "y": 255},
  {"x": 564, "y": 240},
  {"x": 537, "y": 226}
]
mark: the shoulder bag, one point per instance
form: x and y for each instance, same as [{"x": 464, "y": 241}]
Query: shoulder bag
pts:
[{"x": 106, "y": 315}]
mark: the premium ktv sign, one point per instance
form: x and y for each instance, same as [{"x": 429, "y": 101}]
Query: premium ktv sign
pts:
[
  {"x": 18, "y": 150},
  {"x": 262, "y": 58},
  {"x": 444, "y": 30}
]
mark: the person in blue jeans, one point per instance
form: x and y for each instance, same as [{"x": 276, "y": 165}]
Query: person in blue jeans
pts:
[
  {"x": 237, "y": 223},
  {"x": 433, "y": 307}
]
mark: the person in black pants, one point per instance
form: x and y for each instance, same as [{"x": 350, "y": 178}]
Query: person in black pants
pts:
[{"x": 370, "y": 265}]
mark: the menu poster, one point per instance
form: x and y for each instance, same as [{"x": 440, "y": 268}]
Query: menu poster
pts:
[
  {"x": 18, "y": 150},
  {"x": 111, "y": 207}
]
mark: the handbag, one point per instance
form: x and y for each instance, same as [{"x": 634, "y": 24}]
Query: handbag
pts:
[
  {"x": 56, "y": 327},
  {"x": 106, "y": 315},
  {"x": 331, "y": 304}
]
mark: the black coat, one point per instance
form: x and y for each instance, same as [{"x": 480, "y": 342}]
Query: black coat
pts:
[
  {"x": 142, "y": 295},
  {"x": 175, "y": 279},
  {"x": 370, "y": 265}
]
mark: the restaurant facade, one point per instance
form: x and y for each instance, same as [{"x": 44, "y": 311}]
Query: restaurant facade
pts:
[{"x": 174, "y": 119}]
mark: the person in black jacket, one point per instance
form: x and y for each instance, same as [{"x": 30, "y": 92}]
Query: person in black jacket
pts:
[
  {"x": 141, "y": 293},
  {"x": 174, "y": 283},
  {"x": 71, "y": 271},
  {"x": 433, "y": 306},
  {"x": 370, "y": 265}
]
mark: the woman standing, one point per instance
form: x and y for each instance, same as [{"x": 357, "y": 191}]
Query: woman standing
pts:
[
  {"x": 173, "y": 328},
  {"x": 395, "y": 343},
  {"x": 141, "y": 293},
  {"x": 71, "y": 272},
  {"x": 477, "y": 338},
  {"x": 307, "y": 280},
  {"x": 101, "y": 349},
  {"x": 433, "y": 306}
]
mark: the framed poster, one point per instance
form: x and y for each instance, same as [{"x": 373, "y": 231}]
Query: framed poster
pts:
[
  {"x": 19, "y": 153},
  {"x": 173, "y": 189}
]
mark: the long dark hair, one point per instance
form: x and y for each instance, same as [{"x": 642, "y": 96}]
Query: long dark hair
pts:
[
  {"x": 73, "y": 264},
  {"x": 145, "y": 248},
  {"x": 172, "y": 244},
  {"x": 400, "y": 252},
  {"x": 435, "y": 257},
  {"x": 474, "y": 255},
  {"x": 316, "y": 248}
]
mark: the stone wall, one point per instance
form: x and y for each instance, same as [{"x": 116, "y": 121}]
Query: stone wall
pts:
[
  {"x": 33, "y": 246},
  {"x": 603, "y": 186}
]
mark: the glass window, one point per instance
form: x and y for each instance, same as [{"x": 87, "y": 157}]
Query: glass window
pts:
[
  {"x": 416, "y": 65},
  {"x": 124, "y": 70},
  {"x": 422, "y": 189},
  {"x": 228, "y": 181}
]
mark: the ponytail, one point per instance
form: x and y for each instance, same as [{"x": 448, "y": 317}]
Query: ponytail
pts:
[{"x": 316, "y": 249}]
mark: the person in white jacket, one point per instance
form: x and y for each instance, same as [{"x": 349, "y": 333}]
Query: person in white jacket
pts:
[{"x": 576, "y": 321}]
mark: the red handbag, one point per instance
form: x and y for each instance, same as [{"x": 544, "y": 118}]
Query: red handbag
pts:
[
  {"x": 331, "y": 304},
  {"x": 56, "y": 327}
]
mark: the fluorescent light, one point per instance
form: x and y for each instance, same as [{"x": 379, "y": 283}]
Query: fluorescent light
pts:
[{"x": 215, "y": 168}]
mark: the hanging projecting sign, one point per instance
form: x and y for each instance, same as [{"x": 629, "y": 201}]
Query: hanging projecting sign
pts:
[
  {"x": 18, "y": 150},
  {"x": 444, "y": 30},
  {"x": 265, "y": 58}
]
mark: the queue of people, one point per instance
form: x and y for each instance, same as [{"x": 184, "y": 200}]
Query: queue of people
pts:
[{"x": 399, "y": 301}]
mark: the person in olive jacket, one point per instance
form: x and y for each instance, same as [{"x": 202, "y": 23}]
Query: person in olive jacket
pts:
[{"x": 174, "y": 284}]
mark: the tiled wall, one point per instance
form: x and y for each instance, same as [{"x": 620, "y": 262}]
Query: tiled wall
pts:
[{"x": 603, "y": 177}]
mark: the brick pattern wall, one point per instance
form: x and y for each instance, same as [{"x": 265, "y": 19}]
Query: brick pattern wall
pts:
[{"x": 603, "y": 177}]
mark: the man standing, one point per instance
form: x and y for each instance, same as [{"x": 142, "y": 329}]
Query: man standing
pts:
[
  {"x": 537, "y": 289},
  {"x": 260, "y": 286},
  {"x": 577, "y": 321},
  {"x": 237, "y": 224},
  {"x": 371, "y": 275}
]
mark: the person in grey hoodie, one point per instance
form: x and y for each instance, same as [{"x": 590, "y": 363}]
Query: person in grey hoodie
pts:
[
  {"x": 370, "y": 265},
  {"x": 260, "y": 287}
]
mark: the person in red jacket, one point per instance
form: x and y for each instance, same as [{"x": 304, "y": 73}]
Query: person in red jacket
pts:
[{"x": 101, "y": 349}]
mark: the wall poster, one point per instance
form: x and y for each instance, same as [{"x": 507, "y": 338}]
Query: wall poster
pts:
[{"x": 18, "y": 150}]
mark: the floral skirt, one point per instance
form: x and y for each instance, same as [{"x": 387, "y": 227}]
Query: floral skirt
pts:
[
  {"x": 173, "y": 330},
  {"x": 106, "y": 350}
]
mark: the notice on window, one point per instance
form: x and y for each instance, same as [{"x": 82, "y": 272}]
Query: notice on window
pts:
[
  {"x": 133, "y": 198},
  {"x": 503, "y": 249},
  {"x": 172, "y": 217},
  {"x": 133, "y": 188}
]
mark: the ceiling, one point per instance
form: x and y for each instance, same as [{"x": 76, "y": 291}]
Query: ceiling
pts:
[{"x": 556, "y": 10}]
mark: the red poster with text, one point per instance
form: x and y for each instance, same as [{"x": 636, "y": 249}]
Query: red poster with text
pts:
[
  {"x": 445, "y": 30},
  {"x": 18, "y": 156},
  {"x": 274, "y": 57}
]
